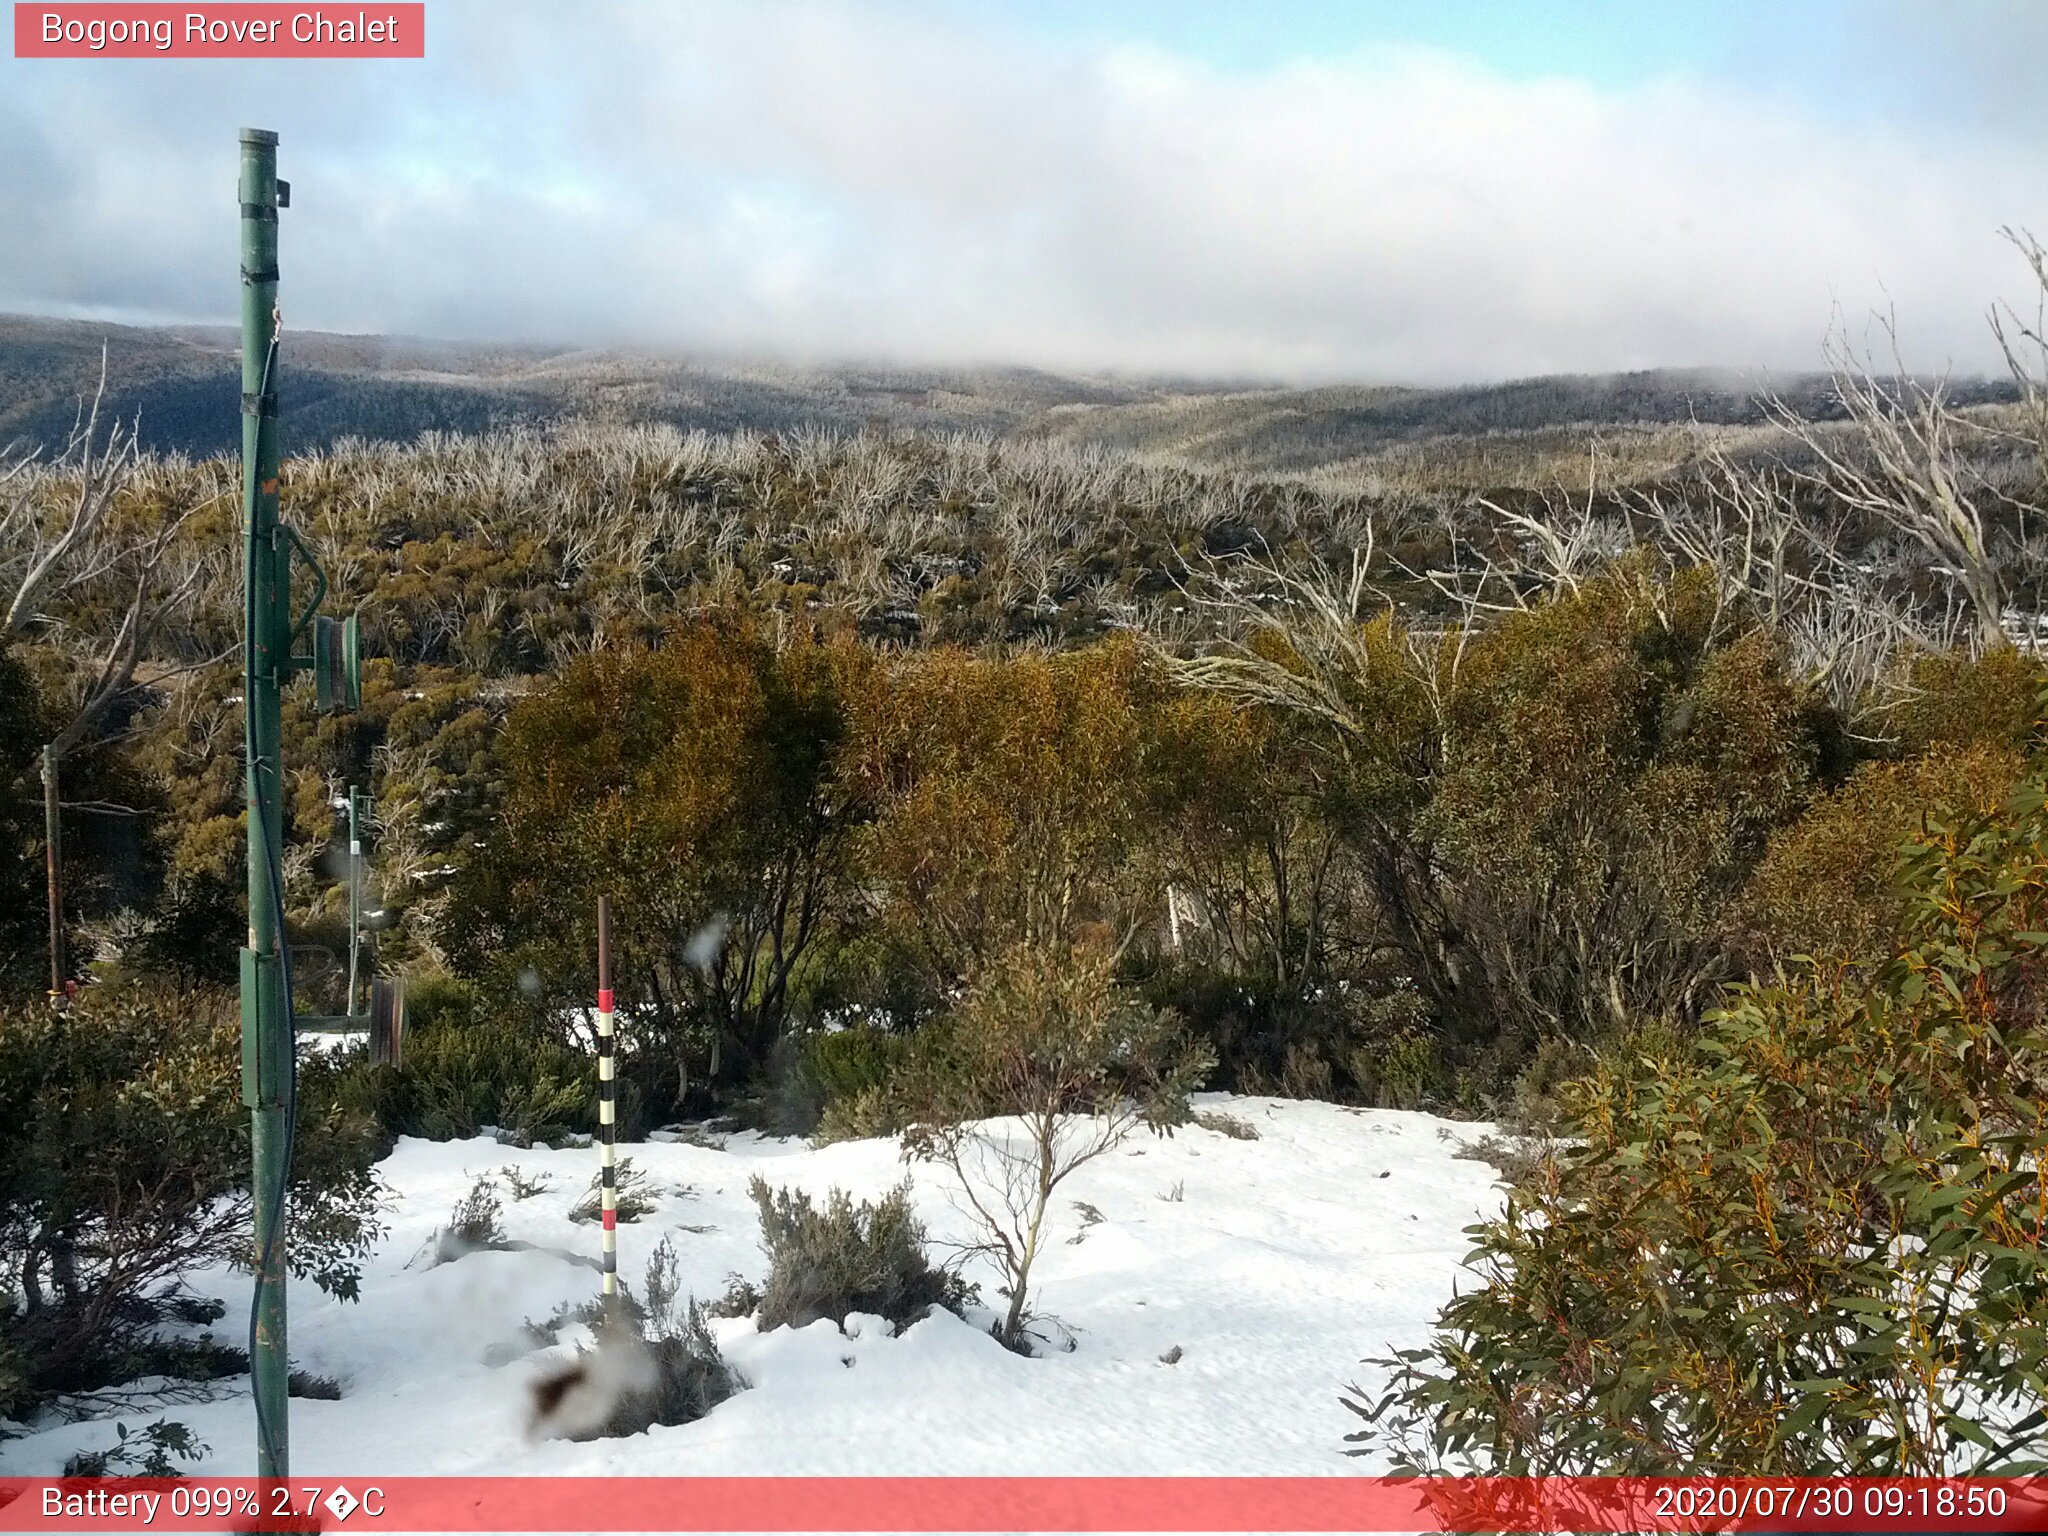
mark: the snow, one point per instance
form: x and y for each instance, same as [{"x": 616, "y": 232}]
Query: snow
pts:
[{"x": 1335, "y": 1235}]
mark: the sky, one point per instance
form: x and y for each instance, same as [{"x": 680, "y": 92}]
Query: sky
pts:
[{"x": 1377, "y": 191}]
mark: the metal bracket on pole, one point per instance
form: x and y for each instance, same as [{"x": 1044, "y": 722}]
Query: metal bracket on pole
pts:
[
  {"x": 387, "y": 1019},
  {"x": 337, "y": 665}
]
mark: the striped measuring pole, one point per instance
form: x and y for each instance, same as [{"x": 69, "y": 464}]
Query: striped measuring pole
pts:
[{"x": 607, "y": 1103}]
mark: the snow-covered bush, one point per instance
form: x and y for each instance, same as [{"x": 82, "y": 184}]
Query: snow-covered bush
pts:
[
  {"x": 474, "y": 1224},
  {"x": 689, "y": 1376},
  {"x": 1810, "y": 1241},
  {"x": 654, "y": 1362},
  {"x": 632, "y": 1196},
  {"x": 522, "y": 1185},
  {"x": 1223, "y": 1123},
  {"x": 843, "y": 1258}
]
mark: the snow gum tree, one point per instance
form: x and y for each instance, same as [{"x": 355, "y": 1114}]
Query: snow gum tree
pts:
[
  {"x": 1071, "y": 1065},
  {"x": 1011, "y": 800},
  {"x": 696, "y": 784},
  {"x": 1811, "y": 1241}
]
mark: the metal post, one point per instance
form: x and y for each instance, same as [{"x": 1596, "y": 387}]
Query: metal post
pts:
[
  {"x": 607, "y": 1105},
  {"x": 53, "y": 867},
  {"x": 266, "y": 634},
  {"x": 355, "y": 892}
]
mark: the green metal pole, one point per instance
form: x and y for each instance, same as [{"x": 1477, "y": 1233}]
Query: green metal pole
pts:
[
  {"x": 266, "y": 631},
  {"x": 355, "y": 892}
]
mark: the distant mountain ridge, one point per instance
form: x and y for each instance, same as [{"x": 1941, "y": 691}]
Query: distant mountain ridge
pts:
[
  {"x": 1283, "y": 431},
  {"x": 183, "y": 384}
]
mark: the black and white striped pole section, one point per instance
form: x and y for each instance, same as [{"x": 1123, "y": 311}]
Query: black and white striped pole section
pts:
[{"x": 607, "y": 1104}]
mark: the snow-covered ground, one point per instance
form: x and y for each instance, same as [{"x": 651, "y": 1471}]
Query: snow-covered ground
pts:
[{"x": 1277, "y": 1266}]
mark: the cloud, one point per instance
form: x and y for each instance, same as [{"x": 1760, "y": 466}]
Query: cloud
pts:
[{"x": 898, "y": 181}]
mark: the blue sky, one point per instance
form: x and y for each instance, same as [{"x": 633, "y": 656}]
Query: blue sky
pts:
[
  {"x": 1602, "y": 41},
  {"x": 1301, "y": 189},
  {"x": 1846, "y": 57}
]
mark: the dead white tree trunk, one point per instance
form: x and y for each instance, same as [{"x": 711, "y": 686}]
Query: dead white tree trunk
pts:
[{"x": 1907, "y": 464}]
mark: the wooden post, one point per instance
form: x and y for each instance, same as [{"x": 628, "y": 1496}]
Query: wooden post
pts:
[{"x": 53, "y": 864}]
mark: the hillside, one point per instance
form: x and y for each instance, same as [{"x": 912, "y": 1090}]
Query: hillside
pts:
[
  {"x": 182, "y": 382},
  {"x": 1293, "y": 431}
]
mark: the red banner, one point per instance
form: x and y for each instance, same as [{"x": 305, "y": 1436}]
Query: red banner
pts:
[
  {"x": 374, "y": 31},
  {"x": 977, "y": 1504}
]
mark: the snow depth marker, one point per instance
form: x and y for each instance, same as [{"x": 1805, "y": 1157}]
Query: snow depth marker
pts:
[{"x": 607, "y": 1101}]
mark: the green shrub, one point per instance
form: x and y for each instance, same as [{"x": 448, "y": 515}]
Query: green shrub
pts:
[
  {"x": 1405, "y": 1072},
  {"x": 847, "y": 1062},
  {"x": 124, "y": 1167},
  {"x": 861, "y": 1076},
  {"x": 21, "y": 868},
  {"x": 1826, "y": 884},
  {"x": 817, "y": 1077},
  {"x": 699, "y": 784},
  {"x": 1535, "y": 1103},
  {"x": 1546, "y": 823},
  {"x": 1011, "y": 802},
  {"x": 871, "y": 1112},
  {"x": 1369, "y": 1040},
  {"x": 847, "y": 1258},
  {"x": 466, "y": 1066},
  {"x": 1809, "y": 1242},
  {"x": 146, "y": 1454},
  {"x": 1614, "y": 762},
  {"x": 191, "y": 932},
  {"x": 1959, "y": 701},
  {"x": 16, "y": 1367}
]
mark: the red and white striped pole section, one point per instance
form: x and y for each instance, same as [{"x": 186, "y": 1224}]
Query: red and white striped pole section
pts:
[{"x": 607, "y": 1102}]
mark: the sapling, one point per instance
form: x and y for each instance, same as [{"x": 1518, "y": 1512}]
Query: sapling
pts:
[{"x": 1073, "y": 1064}]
